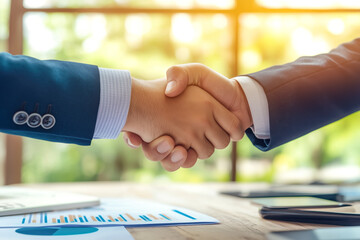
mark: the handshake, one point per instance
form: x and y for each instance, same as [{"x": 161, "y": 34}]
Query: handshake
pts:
[{"x": 186, "y": 116}]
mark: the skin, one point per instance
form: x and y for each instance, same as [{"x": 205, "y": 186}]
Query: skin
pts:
[
  {"x": 197, "y": 122},
  {"x": 227, "y": 91}
]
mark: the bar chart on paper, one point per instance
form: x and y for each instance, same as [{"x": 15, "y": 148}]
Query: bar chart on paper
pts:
[
  {"x": 112, "y": 212},
  {"x": 110, "y": 218}
]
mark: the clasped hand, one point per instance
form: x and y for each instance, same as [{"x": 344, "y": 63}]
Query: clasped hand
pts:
[{"x": 186, "y": 116}]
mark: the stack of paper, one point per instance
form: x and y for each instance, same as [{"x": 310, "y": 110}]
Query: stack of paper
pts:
[
  {"x": 104, "y": 220},
  {"x": 112, "y": 212}
]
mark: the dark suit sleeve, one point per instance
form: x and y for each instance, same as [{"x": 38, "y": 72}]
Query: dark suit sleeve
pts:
[
  {"x": 310, "y": 93},
  {"x": 69, "y": 91}
]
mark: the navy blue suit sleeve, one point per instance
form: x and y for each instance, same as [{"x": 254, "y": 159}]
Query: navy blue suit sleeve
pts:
[
  {"x": 72, "y": 90},
  {"x": 310, "y": 93}
]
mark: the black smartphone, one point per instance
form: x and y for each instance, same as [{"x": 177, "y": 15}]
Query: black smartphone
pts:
[
  {"x": 297, "y": 202},
  {"x": 277, "y": 193}
]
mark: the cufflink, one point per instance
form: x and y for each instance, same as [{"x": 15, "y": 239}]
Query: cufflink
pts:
[
  {"x": 48, "y": 121},
  {"x": 34, "y": 120},
  {"x": 20, "y": 117}
]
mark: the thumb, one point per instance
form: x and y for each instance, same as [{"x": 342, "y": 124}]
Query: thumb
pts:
[
  {"x": 132, "y": 139},
  {"x": 177, "y": 81},
  {"x": 217, "y": 85}
]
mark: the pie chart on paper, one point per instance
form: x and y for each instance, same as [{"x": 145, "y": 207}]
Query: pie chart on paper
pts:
[{"x": 56, "y": 231}]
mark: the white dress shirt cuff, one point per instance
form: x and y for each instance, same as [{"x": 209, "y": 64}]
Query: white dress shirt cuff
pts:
[
  {"x": 115, "y": 94},
  {"x": 258, "y": 106}
]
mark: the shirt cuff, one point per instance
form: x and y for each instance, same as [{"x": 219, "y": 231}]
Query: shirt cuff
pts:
[
  {"x": 115, "y": 94},
  {"x": 258, "y": 106}
]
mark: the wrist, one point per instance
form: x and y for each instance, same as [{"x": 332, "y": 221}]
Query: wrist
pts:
[
  {"x": 245, "y": 113},
  {"x": 144, "y": 112},
  {"x": 134, "y": 112}
]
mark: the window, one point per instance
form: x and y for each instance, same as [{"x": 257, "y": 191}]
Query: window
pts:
[{"x": 147, "y": 37}]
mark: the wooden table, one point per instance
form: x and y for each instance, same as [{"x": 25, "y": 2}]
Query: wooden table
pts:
[{"x": 239, "y": 218}]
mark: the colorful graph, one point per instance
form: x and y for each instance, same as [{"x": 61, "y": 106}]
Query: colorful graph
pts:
[
  {"x": 113, "y": 212},
  {"x": 44, "y": 218}
]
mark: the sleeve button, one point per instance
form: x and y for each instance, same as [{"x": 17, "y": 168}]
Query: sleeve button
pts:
[
  {"x": 34, "y": 120},
  {"x": 20, "y": 118},
  {"x": 48, "y": 121}
]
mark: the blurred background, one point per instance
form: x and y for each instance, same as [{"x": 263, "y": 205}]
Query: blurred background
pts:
[{"x": 146, "y": 37}]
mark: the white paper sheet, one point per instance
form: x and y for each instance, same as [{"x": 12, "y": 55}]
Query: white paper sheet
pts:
[
  {"x": 113, "y": 212},
  {"x": 60, "y": 233}
]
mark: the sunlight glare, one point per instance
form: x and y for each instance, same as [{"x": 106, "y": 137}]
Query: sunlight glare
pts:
[
  {"x": 222, "y": 4},
  {"x": 41, "y": 39},
  {"x": 270, "y": 3},
  {"x": 318, "y": 4},
  {"x": 220, "y": 21},
  {"x": 36, "y": 4},
  {"x": 183, "y": 29},
  {"x": 136, "y": 27},
  {"x": 82, "y": 28},
  {"x": 351, "y": 3},
  {"x": 163, "y": 3},
  {"x": 305, "y": 43},
  {"x": 301, "y": 39},
  {"x": 251, "y": 21},
  {"x": 122, "y": 2},
  {"x": 336, "y": 26},
  {"x": 184, "y": 3},
  {"x": 182, "y": 53},
  {"x": 250, "y": 58},
  {"x": 309, "y": 4},
  {"x": 94, "y": 28},
  {"x": 275, "y": 23}
]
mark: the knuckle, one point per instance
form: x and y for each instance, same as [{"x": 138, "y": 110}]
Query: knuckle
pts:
[
  {"x": 237, "y": 132},
  {"x": 209, "y": 105},
  {"x": 151, "y": 155},
  {"x": 191, "y": 135},
  {"x": 170, "y": 167},
  {"x": 207, "y": 153},
  {"x": 238, "y": 135},
  {"x": 189, "y": 163},
  {"x": 224, "y": 143},
  {"x": 199, "y": 66},
  {"x": 241, "y": 135},
  {"x": 236, "y": 124},
  {"x": 173, "y": 69},
  {"x": 185, "y": 144},
  {"x": 205, "y": 123}
]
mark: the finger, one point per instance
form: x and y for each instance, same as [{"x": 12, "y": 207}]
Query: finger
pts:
[
  {"x": 158, "y": 149},
  {"x": 217, "y": 136},
  {"x": 174, "y": 161},
  {"x": 220, "y": 87},
  {"x": 203, "y": 148},
  {"x": 191, "y": 159},
  {"x": 229, "y": 122},
  {"x": 177, "y": 81},
  {"x": 132, "y": 140}
]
